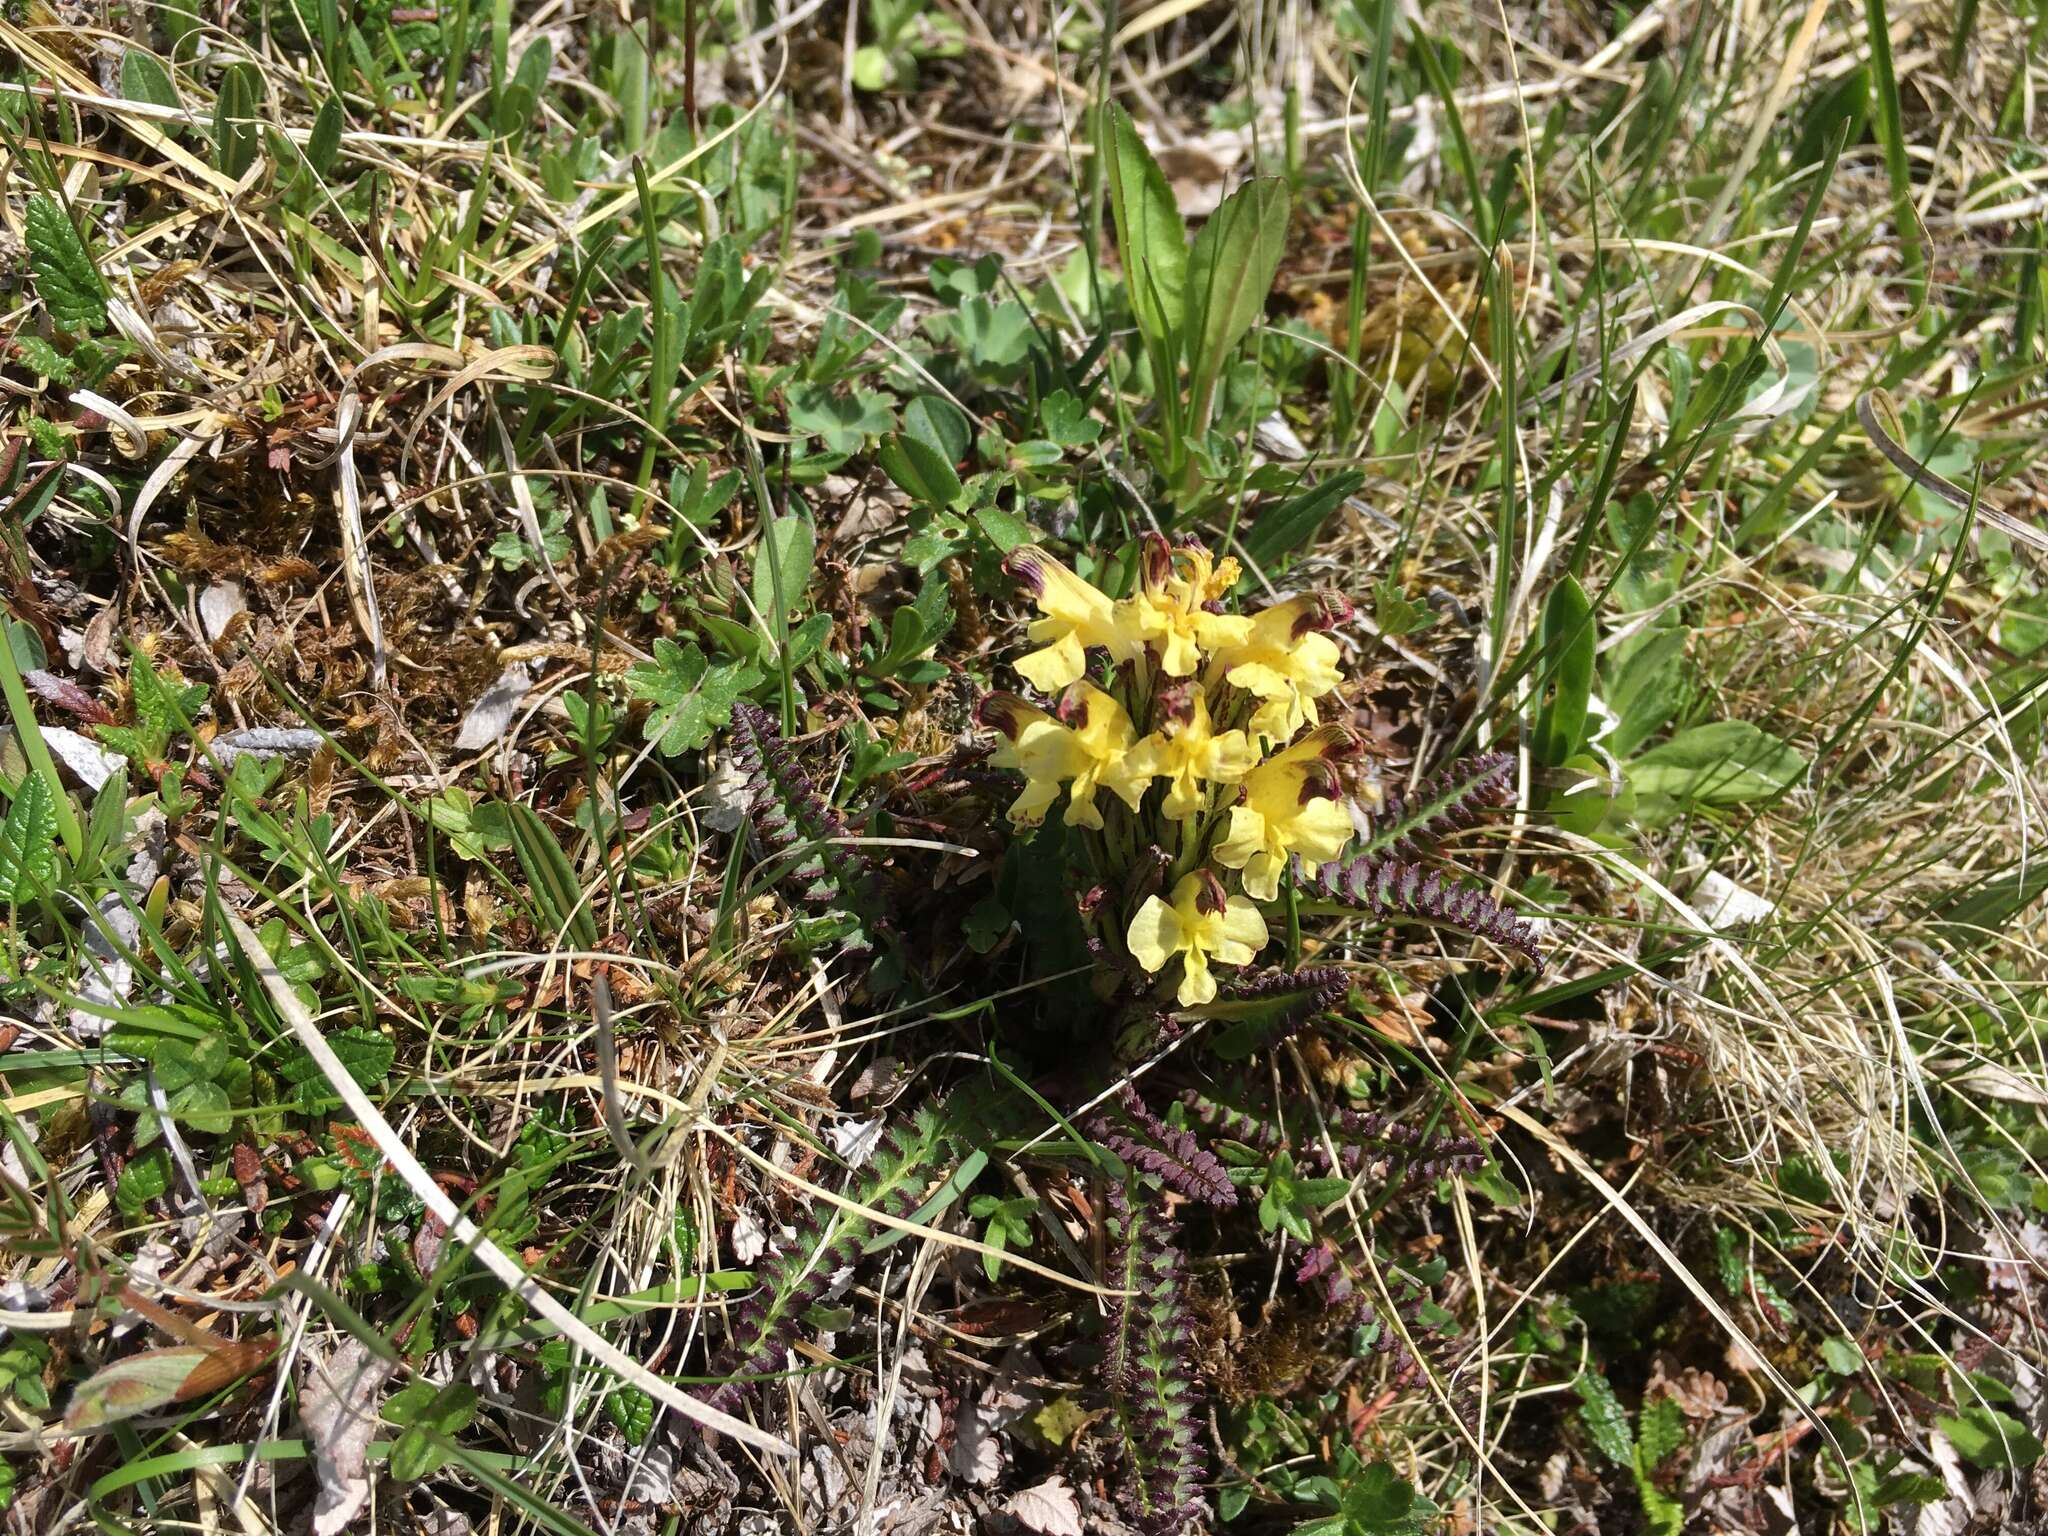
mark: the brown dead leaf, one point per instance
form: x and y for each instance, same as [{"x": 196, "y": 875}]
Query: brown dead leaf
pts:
[{"x": 339, "y": 1408}]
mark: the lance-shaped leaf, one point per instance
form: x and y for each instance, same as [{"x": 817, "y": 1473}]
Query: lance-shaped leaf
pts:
[
  {"x": 1230, "y": 272},
  {"x": 157, "y": 1378},
  {"x": 1149, "y": 233}
]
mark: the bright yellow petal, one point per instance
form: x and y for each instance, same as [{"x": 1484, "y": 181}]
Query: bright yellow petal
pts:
[
  {"x": 1320, "y": 832},
  {"x": 1178, "y": 654},
  {"x": 1231, "y": 757},
  {"x": 1197, "y": 985},
  {"x": 1242, "y": 933},
  {"x": 1149, "y": 757},
  {"x": 1277, "y": 719},
  {"x": 1216, "y": 632},
  {"x": 1261, "y": 679},
  {"x": 1154, "y": 934},
  {"x": 1052, "y": 669},
  {"x": 1184, "y": 796},
  {"x": 1125, "y": 780},
  {"x": 1315, "y": 665},
  {"x": 1029, "y": 808},
  {"x": 1081, "y": 811},
  {"x": 1066, "y": 596},
  {"x": 1262, "y": 874},
  {"x": 1247, "y": 835}
]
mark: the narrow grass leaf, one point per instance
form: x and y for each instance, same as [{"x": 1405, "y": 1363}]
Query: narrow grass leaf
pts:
[{"x": 461, "y": 1229}]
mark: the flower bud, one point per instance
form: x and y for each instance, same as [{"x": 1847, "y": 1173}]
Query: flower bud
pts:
[
  {"x": 1004, "y": 712},
  {"x": 1025, "y": 565},
  {"x": 1176, "y": 700},
  {"x": 1155, "y": 560}
]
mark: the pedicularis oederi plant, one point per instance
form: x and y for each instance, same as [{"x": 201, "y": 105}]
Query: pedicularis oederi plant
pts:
[
  {"x": 1217, "y": 824},
  {"x": 1196, "y": 769}
]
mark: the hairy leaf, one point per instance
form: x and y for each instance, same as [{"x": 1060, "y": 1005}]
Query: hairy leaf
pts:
[{"x": 144, "y": 78}]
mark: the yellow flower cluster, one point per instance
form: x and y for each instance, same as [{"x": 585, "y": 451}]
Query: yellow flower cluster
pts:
[{"x": 1221, "y": 708}]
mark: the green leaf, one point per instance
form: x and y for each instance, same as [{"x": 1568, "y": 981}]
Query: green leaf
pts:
[
  {"x": 1003, "y": 529},
  {"x": 181, "y": 1063},
  {"x": 844, "y": 422},
  {"x": 323, "y": 145},
  {"x": 163, "y": 709},
  {"x": 1290, "y": 526},
  {"x": 144, "y": 78},
  {"x": 919, "y": 471},
  {"x": 1660, "y": 1430},
  {"x": 1646, "y": 691},
  {"x": 873, "y": 69},
  {"x": 691, "y": 698},
  {"x": 1842, "y": 1356},
  {"x": 143, "y": 1180},
  {"x": 40, "y": 357},
  {"x": 1230, "y": 272},
  {"x": 237, "y": 134},
  {"x": 141, "y": 1383},
  {"x": 632, "y": 1410},
  {"x": 1378, "y": 1501},
  {"x": 1975, "y": 913},
  {"x": 1065, "y": 420},
  {"x": 1988, "y": 1438},
  {"x": 937, "y": 423},
  {"x": 28, "y": 850},
  {"x": 1846, "y": 102},
  {"x": 1395, "y": 613},
  {"x": 1725, "y": 763},
  {"x": 366, "y": 1053},
  {"x": 451, "y": 1411},
  {"x": 985, "y": 925},
  {"x": 1605, "y": 1420},
  {"x": 1909, "y": 1488},
  {"x": 415, "y": 1455},
  {"x": 1150, "y": 236},
  {"x": 782, "y": 570},
  {"x": 68, "y": 283},
  {"x": 1567, "y": 642},
  {"x": 204, "y": 1107},
  {"x": 410, "y": 1404},
  {"x": 550, "y": 877}
]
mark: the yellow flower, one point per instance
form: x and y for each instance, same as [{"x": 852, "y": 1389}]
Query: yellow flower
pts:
[
  {"x": 1287, "y": 663},
  {"x": 1290, "y": 805},
  {"x": 1201, "y": 924},
  {"x": 1093, "y": 752},
  {"x": 1172, "y": 606},
  {"x": 1189, "y": 753},
  {"x": 1077, "y": 616}
]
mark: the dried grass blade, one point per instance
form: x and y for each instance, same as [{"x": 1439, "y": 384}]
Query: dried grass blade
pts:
[{"x": 465, "y": 1231}]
